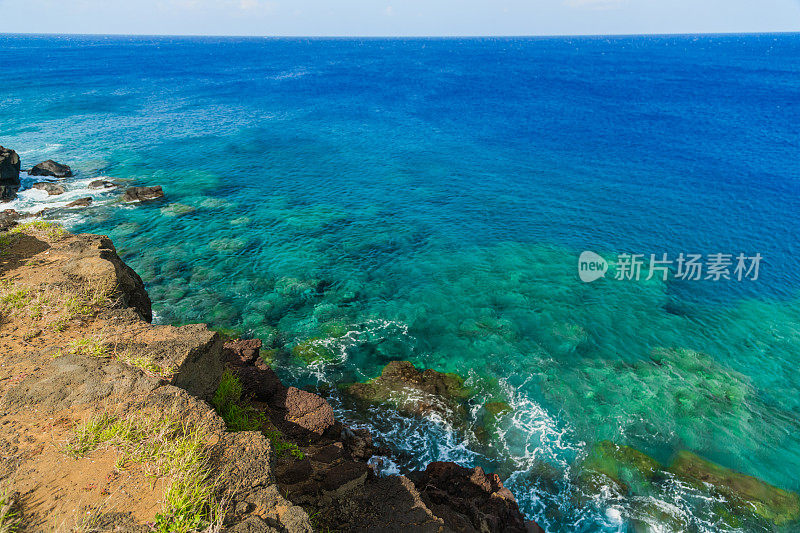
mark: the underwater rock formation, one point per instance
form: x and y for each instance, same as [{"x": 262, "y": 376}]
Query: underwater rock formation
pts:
[{"x": 415, "y": 392}]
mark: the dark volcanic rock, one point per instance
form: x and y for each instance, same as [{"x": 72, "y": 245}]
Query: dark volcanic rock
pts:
[
  {"x": 141, "y": 194},
  {"x": 51, "y": 168},
  {"x": 261, "y": 383},
  {"x": 358, "y": 443},
  {"x": 51, "y": 188},
  {"x": 81, "y": 202},
  {"x": 8, "y": 218},
  {"x": 102, "y": 184},
  {"x": 469, "y": 499},
  {"x": 242, "y": 351},
  {"x": 415, "y": 392},
  {"x": 9, "y": 174}
]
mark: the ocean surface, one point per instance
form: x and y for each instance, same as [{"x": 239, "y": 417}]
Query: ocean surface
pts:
[{"x": 427, "y": 200}]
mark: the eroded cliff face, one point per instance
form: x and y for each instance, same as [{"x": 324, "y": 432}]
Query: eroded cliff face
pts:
[
  {"x": 105, "y": 422},
  {"x": 87, "y": 384}
]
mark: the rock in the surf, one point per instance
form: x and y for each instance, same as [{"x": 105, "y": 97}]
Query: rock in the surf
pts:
[
  {"x": 51, "y": 188},
  {"x": 51, "y": 168},
  {"x": 81, "y": 202},
  {"x": 142, "y": 194},
  {"x": 102, "y": 184}
]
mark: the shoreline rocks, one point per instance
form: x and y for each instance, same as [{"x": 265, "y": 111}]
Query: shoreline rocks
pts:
[
  {"x": 470, "y": 498},
  {"x": 51, "y": 168},
  {"x": 9, "y": 174},
  {"x": 8, "y": 219}
]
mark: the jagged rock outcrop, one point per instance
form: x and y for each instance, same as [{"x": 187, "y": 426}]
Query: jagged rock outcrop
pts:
[
  {"x": 242, "y": 352},
  {"x": 93, "y": 261},
  {"x": 334, "y": 478},
  {"x": 9, "y": 174},
  {"x": 51, "y": 168},
  {"x": 143, "y": 194},
  {"x": 469, "y": 499}
]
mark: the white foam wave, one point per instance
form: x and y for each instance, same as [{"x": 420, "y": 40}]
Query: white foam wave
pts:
[
  {"x": 290, "y": 74},
  {"x": 32, "y": 201},
  {"x": 372, "y": 330}
]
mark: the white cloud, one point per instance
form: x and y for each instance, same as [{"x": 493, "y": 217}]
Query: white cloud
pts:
[
  {"x": 594, "y": 4},
  {"x": 252, "y": 5},
  {"x": 389, "y": 11}
]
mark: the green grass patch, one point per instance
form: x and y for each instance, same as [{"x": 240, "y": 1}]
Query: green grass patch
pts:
[
  {"x": 166, "y": 446},
  {"x": 7, "y": 240},
  {"x": 239, "y": 416},
  {"x": 228, "y": 403},
  {"x": 15, "y": 298},
  {"x": 89, "y": 347},
  {"x": 53, "y": 305},
  {"x": 50, "y": 230},
  {"x": 10, "y": 519},
  {"x": 282, "y": 447}
]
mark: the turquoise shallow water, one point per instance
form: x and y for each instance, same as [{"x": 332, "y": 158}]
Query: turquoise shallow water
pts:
[{"x": 428, "y": 199}]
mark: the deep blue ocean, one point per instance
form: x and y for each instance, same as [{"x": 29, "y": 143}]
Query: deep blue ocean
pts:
[{"x": 427, "y": 200}]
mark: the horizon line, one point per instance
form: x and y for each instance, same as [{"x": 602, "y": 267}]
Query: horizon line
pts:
[{"x": 465, "y": 36}]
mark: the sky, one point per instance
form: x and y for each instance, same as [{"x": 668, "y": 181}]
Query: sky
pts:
[{"x": 397, "y": 17}]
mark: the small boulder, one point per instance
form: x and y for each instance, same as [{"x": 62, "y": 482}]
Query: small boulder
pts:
[
  {"x": 308, "y": 411},
  {"x": 81, "y": 202},
  {"x": 51, "y": 168},
  {"x": 51, "y": 188},
  {"x": 143, "y": 194},
  {"x": 9, "y": 174},
  {"x": 102, "y": 184}
]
